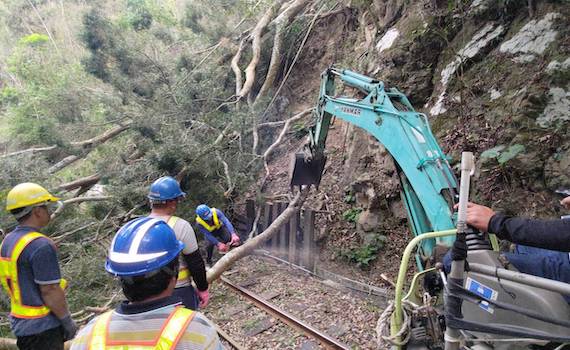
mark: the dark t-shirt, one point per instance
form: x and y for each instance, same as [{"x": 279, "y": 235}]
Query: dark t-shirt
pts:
[{"x": 37, "y": 265}]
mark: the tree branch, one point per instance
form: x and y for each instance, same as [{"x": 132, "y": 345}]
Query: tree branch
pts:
[
  {"x": 83, "y": 182},
  {"x": 256, "y": 35},
  {"x": 281, "y": 22},
  {"x": 279, "y": 139},
  {"x": 29, "y": 150},
  {"x": 78, "y": 200}
]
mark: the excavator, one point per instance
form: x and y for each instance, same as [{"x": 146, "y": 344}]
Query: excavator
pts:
[{"x": 481, "y": 303}]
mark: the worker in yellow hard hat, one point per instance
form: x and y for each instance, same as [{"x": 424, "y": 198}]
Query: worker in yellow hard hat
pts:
[{"x": 30, "y": 274}]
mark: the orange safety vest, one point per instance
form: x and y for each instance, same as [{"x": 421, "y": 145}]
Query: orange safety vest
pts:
[
  {"x": 184, "y": 273},
  {"x": 172, "y": 331},
  {"x": 9, "y": 279},
  {"x": 208, "y": 227}
]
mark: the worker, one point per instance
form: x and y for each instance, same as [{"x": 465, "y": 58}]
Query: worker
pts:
[
  {"x": 164, "y": 195},
  {"x": 217, "y": 229},
  {"x": 542, "y": 246},
  {"x": 30, "y": 274},
  {"x": 144, "y": 256}
]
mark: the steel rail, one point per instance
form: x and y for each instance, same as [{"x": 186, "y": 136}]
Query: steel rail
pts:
[
  {"x": 326, "y": 340},
  {"x": 229, "y": 339}
]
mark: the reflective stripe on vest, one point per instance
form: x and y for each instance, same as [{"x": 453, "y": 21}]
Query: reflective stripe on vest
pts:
[
  {"x": 172, "y": 331},
  {"x": 204, "y": 224},
  {"x": 9, "y": 279},
  {"x": 184, "y": 273}
]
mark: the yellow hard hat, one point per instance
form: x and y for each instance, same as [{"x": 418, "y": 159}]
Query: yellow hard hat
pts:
[{"x": 28, "y": 194}]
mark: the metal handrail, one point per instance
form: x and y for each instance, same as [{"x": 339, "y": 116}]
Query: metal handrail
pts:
[{"x": 396, "y": 321}]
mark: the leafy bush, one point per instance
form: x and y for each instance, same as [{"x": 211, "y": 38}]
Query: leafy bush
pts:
[
  {"x": 365, "y": 254},
  {"x": 34, "y": 39},
  {"x": 351, "y": 215}
]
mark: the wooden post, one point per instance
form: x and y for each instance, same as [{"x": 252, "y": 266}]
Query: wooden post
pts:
[
  {"x": 293, "y": 237},
  {"x": 309, "y": 239},
  {"x": 267, "y": 219},
  {"x": 275, "y": 238},
  {"x": 250, "y": 212},
  {"x": 283, "y": 234}
]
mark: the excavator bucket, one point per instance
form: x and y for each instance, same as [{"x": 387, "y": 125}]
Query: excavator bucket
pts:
[{"x": 304, "y": 171}]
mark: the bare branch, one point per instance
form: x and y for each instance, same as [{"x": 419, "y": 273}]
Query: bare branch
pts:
[
  {"x": 87, "y": 181},
  {"x": 294, "y": 60},
  {"x": 281, "y": 22},
  {"x": 279, "y": 139},
  {"x": 235, "y": 66},
  {"x": 104, "y": 137},
  {"x": 29, "y": 150},
  {"x": 63, "y": 163},
  {"x": 59, "y": 238},
  {"x": 228, "y": 192},
  {"x": 256, "y": 36},
  {"x": 79, "y": 200}
]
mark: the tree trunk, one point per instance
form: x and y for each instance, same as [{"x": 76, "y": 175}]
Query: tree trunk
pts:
[
  {"x": 256, "y": 35},
  {"x": 281, "y": 23}
]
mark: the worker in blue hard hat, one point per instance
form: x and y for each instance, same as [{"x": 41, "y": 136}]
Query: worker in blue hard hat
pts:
[
  {"x": 30, "y": 273},
  {"x": 164, "y": 195},
  {"x": 144, "y": 256},
  {"x": 217, "y": 229}
]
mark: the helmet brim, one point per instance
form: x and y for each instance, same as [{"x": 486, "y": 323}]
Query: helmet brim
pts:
[{"x": 120, "y": 269}]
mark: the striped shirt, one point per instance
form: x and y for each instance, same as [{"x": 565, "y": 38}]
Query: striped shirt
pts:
[{"x": 144, "y": 322}]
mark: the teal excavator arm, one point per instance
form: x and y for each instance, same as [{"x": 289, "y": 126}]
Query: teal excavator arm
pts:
[{"x": 429, "y": 186}]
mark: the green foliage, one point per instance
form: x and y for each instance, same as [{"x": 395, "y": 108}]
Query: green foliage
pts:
[
  {"x": 34, "y": 39},
  {"x": 363, "y": 255},
  {"x": 136, "y": 64},
  {"x": 300, "y": 130},
  {"x": 349, "y": 198},
  {"x": 352, "y": 214},
  {"x": 502, "y": 154}
]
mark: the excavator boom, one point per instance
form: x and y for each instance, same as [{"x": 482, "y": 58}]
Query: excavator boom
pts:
[{"x": 428, "y": 185}]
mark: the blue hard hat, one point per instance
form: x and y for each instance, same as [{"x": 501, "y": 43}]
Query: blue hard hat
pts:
[
  {"x": 142, "y": 246},
  {"x": 204, "y": 212},
  {"x": 165, "y": 188}
]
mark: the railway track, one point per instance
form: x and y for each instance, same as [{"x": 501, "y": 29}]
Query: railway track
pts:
[
  {"x": 326, "y": 340},
  {"x": 264, "y": 304}
]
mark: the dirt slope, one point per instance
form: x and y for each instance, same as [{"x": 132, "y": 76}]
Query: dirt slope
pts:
[{"x": 492, "y": 80}]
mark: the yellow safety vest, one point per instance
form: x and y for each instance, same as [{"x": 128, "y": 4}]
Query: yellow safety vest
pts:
[
  {"x": 172, "y": 331},
  {"x": 9, "y": 279},
  {"x": 184, "y": 273},
  {"x": 208, "y": 227}
]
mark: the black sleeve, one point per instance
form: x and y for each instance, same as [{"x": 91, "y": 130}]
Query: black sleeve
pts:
[
  {"x": 196, "y": 267},
  {"x": 547, "y": 234}
]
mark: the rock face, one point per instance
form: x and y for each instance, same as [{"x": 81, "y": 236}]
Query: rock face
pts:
[
  {"x": 493, "y": 77},
  {"x": 480, "y": 41},
  {"x": 532, "y": 39},
  {"x": 387, "y": 40},
  {"x": 557, "y": 111}
]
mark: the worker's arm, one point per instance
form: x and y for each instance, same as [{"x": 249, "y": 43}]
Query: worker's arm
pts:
[
  {"x": 54, "y": 298},
  {"x": 197, "y": 269},
  {"x": 547, "y": 234},
  {"x": 47, "y": 275},
  {"x": 227, "y": 224}
]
